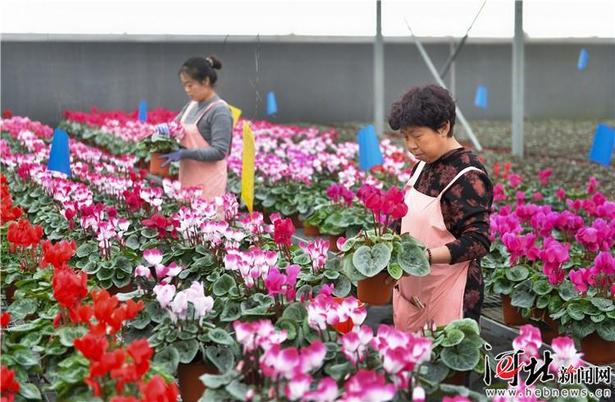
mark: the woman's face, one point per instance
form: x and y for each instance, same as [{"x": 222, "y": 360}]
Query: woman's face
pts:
[
  {"x": 197, "y": 91},
  {"x": 425, "y": 143}
]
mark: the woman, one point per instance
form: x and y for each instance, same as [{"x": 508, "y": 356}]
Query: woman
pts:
[
  {"x": 449, "y": 199},
  {"x": 208, "y": 129}
]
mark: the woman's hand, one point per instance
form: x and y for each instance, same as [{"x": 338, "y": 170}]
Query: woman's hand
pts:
[
  {"x": 172, "y": 157},
  {"x": 163, "y": 129}
]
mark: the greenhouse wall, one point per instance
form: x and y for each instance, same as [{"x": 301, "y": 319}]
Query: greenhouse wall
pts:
[{"x": 313, "y": 82}]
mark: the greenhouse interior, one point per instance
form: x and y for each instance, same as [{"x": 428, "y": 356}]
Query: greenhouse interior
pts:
[{"x": 307, "y": 200}]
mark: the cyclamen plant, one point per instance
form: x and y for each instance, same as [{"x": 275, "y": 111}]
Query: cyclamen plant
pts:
[
  {"x": 269, "y": 370},
  {"x": 162, "y": 143},
  {"x": 379, "y": 248}
]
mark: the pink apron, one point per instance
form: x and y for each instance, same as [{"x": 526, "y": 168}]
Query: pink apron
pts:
[
  {"x": 210, "y": 176},
  {"x": 441, "y": 292}
]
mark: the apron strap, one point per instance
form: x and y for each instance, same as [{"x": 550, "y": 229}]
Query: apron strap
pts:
[
  {"x": 190, "y": 106},
  {"x": 416, "y": 175},
  {"x": 219, "y": 101},
  {"x": 464, "y": 171}
]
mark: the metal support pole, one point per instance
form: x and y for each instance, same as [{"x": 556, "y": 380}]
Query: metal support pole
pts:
[
  {"x": 453, "y": 55},
  {"x": 436, "y": 76},
  {"x": 518, "y": 82},
  {"x": 453, "y": 83},
  {"x": 379, "y": 74}
]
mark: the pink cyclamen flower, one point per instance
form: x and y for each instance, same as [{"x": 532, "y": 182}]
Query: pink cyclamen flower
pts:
[
  {"x": 340, "y": 242},
  {"x": 297, "y": 386},
  {"x": 418, "y": 394},
  {"x": 369, "y": 386},
  {"x": 312, "y": 357},
  {"x": 153, "y": 256},
  {"x": 164, "y": 294},
  {"x": 325, "y": 392},
  {"x": 529, "y": 340},
  {"x": 169, "y": 271},
  {"x": 560, "y": 193},
  {"x": 565, "y": 354},
  {"x": 141, "y": 271}
]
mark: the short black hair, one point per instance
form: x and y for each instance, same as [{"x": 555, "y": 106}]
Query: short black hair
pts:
[
  {"x": 428, "y": 106},
  {"x": 200, "y": 68}
]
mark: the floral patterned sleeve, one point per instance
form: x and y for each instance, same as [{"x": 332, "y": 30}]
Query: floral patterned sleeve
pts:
[{"x": 465, "y": 208}]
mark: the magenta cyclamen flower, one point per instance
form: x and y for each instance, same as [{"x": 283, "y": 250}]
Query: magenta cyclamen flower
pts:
[
  {"x": 569, "y": 222},
  {"x": 599, "y": 236},
  {"x": 592, "y": 185},
  {"x": 499, "y": 193},
  {"x": 582, "y": 278},
  {"x": 514, "y": 180},
  {"x": 338, "y": 193},
  {"x": 553, "y": 255},
  {"x": 501, "y": 224},
  {"x": 544, "y": 223},
  {"x": 604, "y": 263},
  {"x": 544, "y": 176},
  {"x": 520, "y": 246},
  {"x": 278, "y": 283}
]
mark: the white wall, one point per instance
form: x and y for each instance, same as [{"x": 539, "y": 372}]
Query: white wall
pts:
[{"x": 437, "y": 18}]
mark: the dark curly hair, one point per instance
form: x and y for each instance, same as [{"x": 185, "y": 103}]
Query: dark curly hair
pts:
[{"x": 429, "y": 106}]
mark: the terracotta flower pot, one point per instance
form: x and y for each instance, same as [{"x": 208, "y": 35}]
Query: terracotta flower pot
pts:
[
  {"x": 333, "y": 243},
  {"x": 457, "y": 378},
  {"x": 297, "y": 221},
  {"x": 511, "y": 314},
  {"x": 548, "y": 327},
  {"x": 597, "y": 350},
  {"x": 10, "y": 293},
  {"x": 310, "y": 230},
  {"x": 155, "y": 165},
  {"x": 191, "y": 387},
  {"x": 377, "y": 290}
]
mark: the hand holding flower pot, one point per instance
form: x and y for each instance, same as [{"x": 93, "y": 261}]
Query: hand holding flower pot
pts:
[{"x": 163, "y": 141}]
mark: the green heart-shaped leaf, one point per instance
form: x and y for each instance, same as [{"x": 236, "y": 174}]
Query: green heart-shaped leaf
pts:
[
  {"x": 370, "y": 261},
  {"x": 412, "y": 259}
]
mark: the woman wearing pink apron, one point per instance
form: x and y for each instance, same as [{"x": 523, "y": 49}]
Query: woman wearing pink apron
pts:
[
  {"x": 207, "y": 123},
  {"x": 449, "y": 199}
]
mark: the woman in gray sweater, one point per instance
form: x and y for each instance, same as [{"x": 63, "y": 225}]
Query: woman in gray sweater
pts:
[{"x": 208, "y": 129}]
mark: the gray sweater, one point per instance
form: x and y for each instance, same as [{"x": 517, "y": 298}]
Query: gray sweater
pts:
[{"x": 216, "y": 127}]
